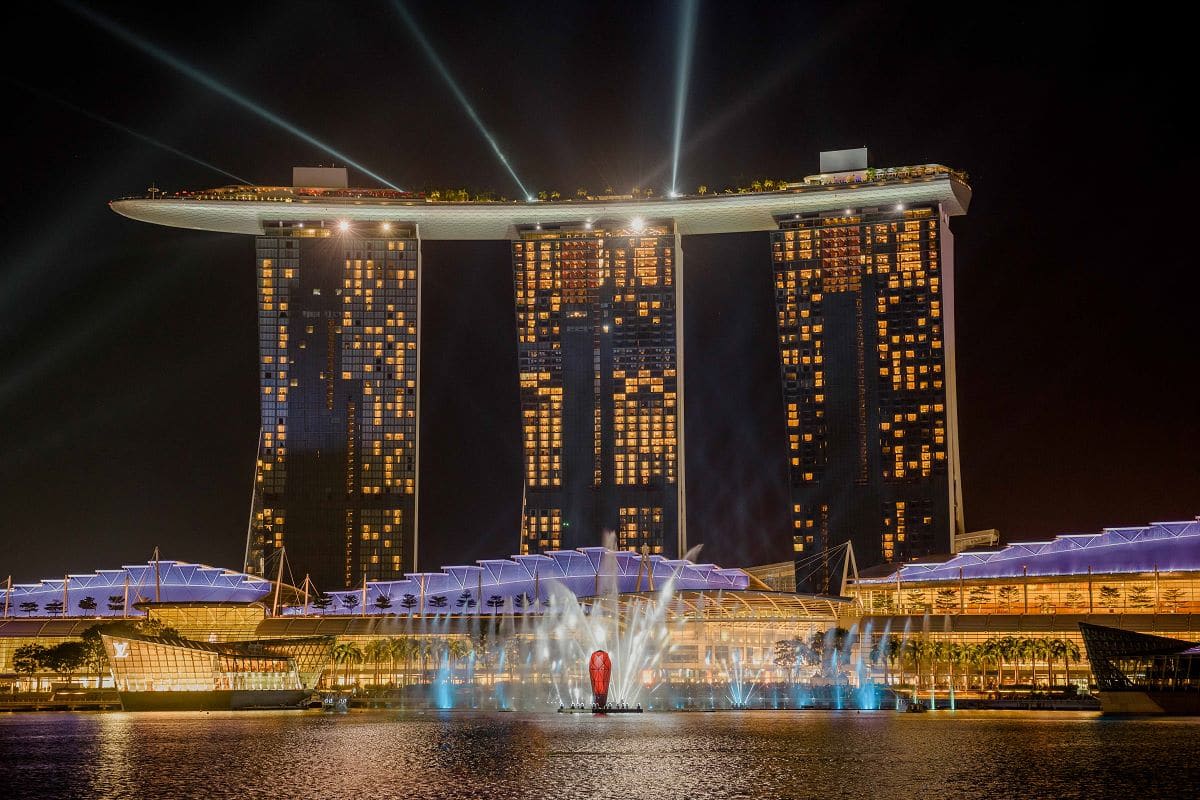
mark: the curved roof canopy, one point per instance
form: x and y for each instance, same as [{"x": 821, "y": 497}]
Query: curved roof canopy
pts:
[
  {"x": 1162, "y": 546},
  {"x": 489, "y": 586},
  {"x": 174, "y": 581},
  {"x": 246, "y": 209},
  {"x": 524, "y": 582}
]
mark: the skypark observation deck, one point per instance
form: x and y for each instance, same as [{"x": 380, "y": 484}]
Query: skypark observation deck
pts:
[{"x": 253, "y": 209}]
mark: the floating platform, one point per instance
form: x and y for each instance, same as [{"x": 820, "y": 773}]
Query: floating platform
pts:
[
  {"x": 215, "y": 700},
  {"x": 598, "y": 710}
]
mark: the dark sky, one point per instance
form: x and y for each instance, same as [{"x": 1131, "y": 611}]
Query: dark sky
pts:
[{"x": 128, "y": 404}]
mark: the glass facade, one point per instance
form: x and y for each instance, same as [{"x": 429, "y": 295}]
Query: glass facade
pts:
[
  {"x": 1123, "y": 661},
  {"x": 1096, "y": 593},
  {"x": 158, "y": 665},
  {"x": 150, "y": 664},
  {"x": 601, "y": 386},
  {"x": 338, "y": 345},
  {"x": 863, "y": 307}
]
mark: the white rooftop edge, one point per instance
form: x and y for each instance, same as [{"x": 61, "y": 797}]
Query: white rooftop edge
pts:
[{"x": 722, "y": 213}]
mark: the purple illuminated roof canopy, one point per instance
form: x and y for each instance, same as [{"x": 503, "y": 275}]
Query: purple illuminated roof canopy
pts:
[
  {"x": 1161, "y": 546},
  {"x": 108, "y": 592},
  {"x": 486, "y": 587},
  {"x": 522, "y": 583}
]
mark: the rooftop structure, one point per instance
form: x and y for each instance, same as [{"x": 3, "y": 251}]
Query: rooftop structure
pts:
[{"x": 251, "y": 209}]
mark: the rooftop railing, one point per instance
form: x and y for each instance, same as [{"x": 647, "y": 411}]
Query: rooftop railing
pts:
[{"x": 293, "y": 194}]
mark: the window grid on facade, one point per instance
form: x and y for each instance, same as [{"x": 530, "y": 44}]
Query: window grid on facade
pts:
[
  {"x": 859, "y": 307},
  {"x": 338, "y": 334},
  {"x": 596, "y": 337}
]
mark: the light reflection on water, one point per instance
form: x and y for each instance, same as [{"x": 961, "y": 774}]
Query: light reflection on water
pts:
[{"x": 502, "y": 756}]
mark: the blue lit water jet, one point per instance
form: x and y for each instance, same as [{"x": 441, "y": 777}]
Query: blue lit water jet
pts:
[
  {"x": 443, "y": 688},
  {"x": 683, "y": 69},
  {"x": 181, "y": 66},
  {"x": 444, "y": 71}
]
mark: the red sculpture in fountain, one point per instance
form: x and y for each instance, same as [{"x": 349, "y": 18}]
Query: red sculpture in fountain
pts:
[{"x": 600, "y": 668}]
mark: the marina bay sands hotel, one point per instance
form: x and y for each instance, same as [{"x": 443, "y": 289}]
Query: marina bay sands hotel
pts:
[{"x": 864, "y": 298}]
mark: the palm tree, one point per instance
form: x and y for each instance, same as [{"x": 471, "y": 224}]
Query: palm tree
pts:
[
  {"x": 512, "y": 655},
  {"x": 376, "y": 651},
  {"x": 1041, "y": 649},
  {"x": 914, "y": 651},
  {"x": 395, "y": 654},
  {"x": 1049, "y": 653},
  {"x": 1027, "y": 650},
  {"x": 987, "y": 654},
  {"x": 1066, "y": 650},
  {"x": 458, "y": 649},
  {"x": 1032, "y": 649},
  {"x": 936, "y": 652},
  {"x": 958, "y": 658},
  {"x": 405, "y": 649},
  {"x": 427, "y": 649},
  {"x": 891, "y": 652},
  {"x": 346, "y": 653},
  {"x": 1005, "y": 649}
]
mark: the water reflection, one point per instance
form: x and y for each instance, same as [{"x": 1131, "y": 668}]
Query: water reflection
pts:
[{"x": 500, "y": 756}]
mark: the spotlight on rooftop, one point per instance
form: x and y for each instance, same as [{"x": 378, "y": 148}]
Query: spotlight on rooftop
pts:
[
  {"x": 125, "y": 129},
  {"x": 683, "y": 68},
  {"x": 181, "y": 66},
  {"x": 444, "y": 71}
]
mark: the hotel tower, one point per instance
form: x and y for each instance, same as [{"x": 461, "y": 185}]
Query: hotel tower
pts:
[
  {"x": 864, "y": 299},
  {"x": 338, "y": 335},
  {"x": 601, "y": 380},
  {"x": 864, "y": 291}
]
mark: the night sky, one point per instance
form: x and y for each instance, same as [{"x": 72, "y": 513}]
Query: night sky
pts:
[{"x": 128, "y": 395}]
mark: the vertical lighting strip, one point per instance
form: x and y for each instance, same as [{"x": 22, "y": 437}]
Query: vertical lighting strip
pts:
[
  {"x": 954, "y": 472},
  {"x": 417, "y": 405},
  {"x": 681, "y": 452}
]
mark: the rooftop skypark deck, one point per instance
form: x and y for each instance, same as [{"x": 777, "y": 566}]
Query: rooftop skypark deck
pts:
[{"x": 246, "y": 209}]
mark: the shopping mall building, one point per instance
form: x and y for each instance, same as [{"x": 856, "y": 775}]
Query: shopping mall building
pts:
[
  {"x": 675, "y": 623},
  {"x": 1144, "y": 579}
]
